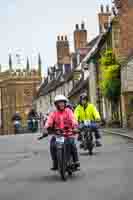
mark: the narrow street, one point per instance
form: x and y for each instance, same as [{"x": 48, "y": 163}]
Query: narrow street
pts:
[{"x": 25, "y": 174}]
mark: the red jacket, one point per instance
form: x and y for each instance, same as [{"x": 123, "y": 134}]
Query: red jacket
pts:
[{"x": 62, "y": 119}]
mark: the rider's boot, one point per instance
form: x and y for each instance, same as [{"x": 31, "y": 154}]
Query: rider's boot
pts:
[
  {"x": 55, "y": 166},
  {"x": 81, "y": 145},
  {"x": 98, "y": 143},
  {"x": 79, "y": 137},
  {"x": 77, "y": 165}
]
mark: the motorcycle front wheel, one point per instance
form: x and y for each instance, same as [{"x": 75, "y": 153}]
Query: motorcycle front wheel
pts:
[{"x": 62, "y": 164}]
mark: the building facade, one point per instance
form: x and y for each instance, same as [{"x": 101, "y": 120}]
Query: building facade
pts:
[
  {"x": 115, "y": 33},
  {"x": 61, "y": 77},
  {"x": 18, "y": 88},
  {"x": 125, "y": 22}
]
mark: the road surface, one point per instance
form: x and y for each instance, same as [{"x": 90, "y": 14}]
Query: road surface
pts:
[{"x": 25, "y": 174}]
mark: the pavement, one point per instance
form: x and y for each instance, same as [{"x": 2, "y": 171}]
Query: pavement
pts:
[
  {"x": 128, "y": 133},
  {"x": 25, "y": 174}
]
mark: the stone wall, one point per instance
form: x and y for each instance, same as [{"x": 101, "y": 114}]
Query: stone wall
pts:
[{"x": 127, "y": 77}]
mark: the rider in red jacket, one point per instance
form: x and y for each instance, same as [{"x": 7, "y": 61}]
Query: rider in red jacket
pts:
[{"x": 62, "y": 118}]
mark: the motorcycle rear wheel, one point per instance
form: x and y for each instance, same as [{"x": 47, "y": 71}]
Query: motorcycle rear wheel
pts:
[
  {"x": 90, "y": 148},
  {"x": 70, "y": 172}
]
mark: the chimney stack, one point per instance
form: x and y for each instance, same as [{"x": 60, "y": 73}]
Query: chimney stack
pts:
[
  {"x": 63, "y": 51},
  {"x": 80, "y": 37},
  {"x": 104, "y": 19}
]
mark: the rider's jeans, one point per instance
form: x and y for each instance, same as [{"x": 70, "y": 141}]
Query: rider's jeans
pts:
[
  {"x": 70, "y": 149},
  {"x": 94, "y": 129}
]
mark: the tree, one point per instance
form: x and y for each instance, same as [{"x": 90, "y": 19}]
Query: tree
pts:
[{"x": 110, "y": 83}]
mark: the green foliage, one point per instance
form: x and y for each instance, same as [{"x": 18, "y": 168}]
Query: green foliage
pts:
[
  {"x": 110, "y": 71},
  {"x": 108, "y": 58},
  {"x": 111, "y": 89}
]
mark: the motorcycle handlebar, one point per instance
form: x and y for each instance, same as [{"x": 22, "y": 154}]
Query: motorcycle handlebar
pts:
[
  {"x": 43, "y": 136},
  {"x": 57, "y": 132},
  {"x": 61, "y": 131}
]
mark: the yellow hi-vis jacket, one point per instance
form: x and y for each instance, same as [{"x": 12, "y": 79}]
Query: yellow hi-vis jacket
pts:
[{"x": 89, "y": 113}]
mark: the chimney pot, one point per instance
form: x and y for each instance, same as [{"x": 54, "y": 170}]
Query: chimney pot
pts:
[
  {"x": 82, "y": 26},
  {"x": 102, "y": 8},
  {"x": 107, "y": 8},
  {"x": 77, "y": 27}
]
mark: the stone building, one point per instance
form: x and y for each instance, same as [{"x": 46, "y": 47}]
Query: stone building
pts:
[
  {"x": 115, "y": 32},
  {"x": 127, "y": 92},
  {"x": 60, "y": 78},
  {"x": 18, "y": 88},
  {"x": 90, "y": 65},
  {"x": 125, "y": 22},
  {"x": 82, "y": 73},
  {"x": 85, "y": 83}
]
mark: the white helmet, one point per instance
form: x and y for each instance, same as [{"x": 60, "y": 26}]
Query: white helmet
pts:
[{"x": 60, "y": 98}]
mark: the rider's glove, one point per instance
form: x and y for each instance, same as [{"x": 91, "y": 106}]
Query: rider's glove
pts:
[
  {"x": 45, "y": 132},
  {"x": 76, "y": 130}
]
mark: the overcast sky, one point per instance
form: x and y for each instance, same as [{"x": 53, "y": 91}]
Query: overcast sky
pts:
[{"x": 31, "y": 26}]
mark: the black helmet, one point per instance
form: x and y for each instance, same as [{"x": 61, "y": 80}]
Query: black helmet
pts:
[{"x": 83, "y": 96}]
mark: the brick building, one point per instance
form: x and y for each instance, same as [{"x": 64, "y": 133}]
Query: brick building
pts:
[
  {"x": 125, "y": 18},
  {"x": 125, "y": 14}
]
